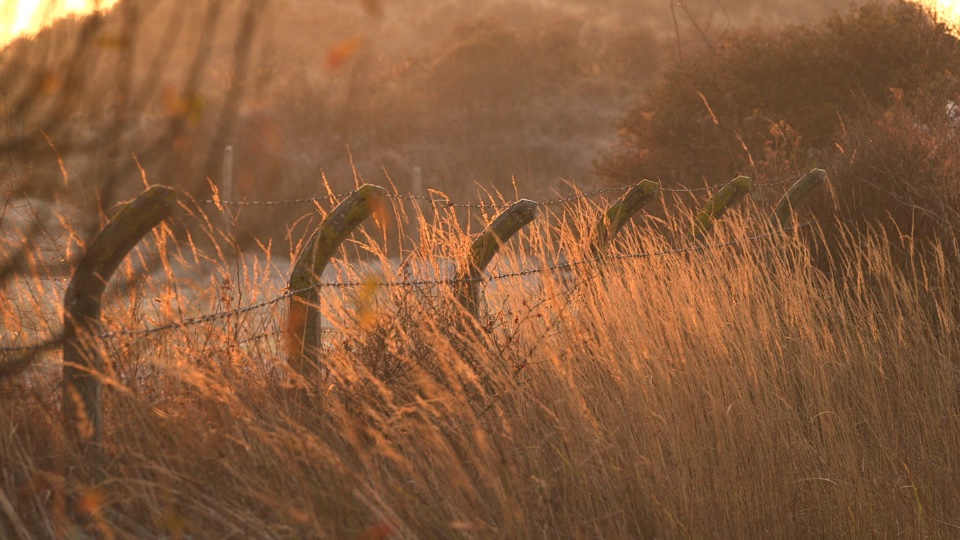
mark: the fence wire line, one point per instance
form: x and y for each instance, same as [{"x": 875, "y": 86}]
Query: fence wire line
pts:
[
  {"x": 49, "y": 343},
  {"x": 447, "y": 203},
  {"x": 305, "y": 200},
  {"x": 217, "y": 316},
  {"x": 201, "y": 319},
  {"x": 560, "y": 266}
]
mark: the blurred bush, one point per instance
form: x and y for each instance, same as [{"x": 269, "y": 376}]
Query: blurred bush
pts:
[
  {"x": 899, "y": 171},
  {"x": 774, "y": 101}
]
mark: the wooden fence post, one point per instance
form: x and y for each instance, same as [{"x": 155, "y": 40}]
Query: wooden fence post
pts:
[
  {"x": 303, "y": 328},
  {"x": 483, "y": 249},
  {"x": 728, "y": 196},
  {"x": 227, "y": 191},
  {"x": 796, "y": 195},
  {"x": 83, "y": 362},
  {"x": 613, "y": 220},
  {"x": 226, "y": 187}
]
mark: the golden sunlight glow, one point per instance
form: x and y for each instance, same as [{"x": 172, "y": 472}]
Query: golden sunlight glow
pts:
[
  {"x": 27, "y": 17},
  {"x": 948, "y": 10}
]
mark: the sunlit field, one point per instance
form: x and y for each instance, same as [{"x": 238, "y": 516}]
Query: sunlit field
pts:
[
  {"x": 730, "y": 391},
  {"x": 714, "y": 371}
]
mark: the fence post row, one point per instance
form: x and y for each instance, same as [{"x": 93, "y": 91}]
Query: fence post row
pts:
[
  {"x": 483, "y": 249},
  {"x": 303, "y": 330},
  {"x": 728, "y": 196},
  {"x": 796, "y": 195},
  {"x": 613, "y": 220},
  {"x": 83, "y": 363}
]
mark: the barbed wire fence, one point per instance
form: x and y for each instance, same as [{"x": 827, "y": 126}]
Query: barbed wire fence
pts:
[
  {"x": 215, "y": 317},
  {"x": 56, "y": 341}
]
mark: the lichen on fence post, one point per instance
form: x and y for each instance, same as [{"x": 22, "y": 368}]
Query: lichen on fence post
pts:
[
  {"x": 303, "y": 328},
  {"x": 796, "y": 195},
  {"x": 486, "y": 246},
  {"x": 83, "y": 363},
  {"x": 729, "y": 195},
  {"x": 613, "y": 220}
]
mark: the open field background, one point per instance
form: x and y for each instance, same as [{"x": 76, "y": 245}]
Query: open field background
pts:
[{"x": 761, "y": 383}]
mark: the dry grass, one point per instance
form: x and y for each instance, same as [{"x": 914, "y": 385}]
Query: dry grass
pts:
[
  {"x": 734, "y": 392},
  {"x": 730, "y": 393}
]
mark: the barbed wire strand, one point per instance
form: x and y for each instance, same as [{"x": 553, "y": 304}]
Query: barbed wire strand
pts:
[
  {"x": 201, "y": 319},
  {"x": 305, "y": 200},
  {"x": 33, "y": 347},
  {"x": 217, "y": 316}
]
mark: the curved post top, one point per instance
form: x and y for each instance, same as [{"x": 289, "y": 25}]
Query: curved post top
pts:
[
  {"x": 729, "y": 195},
  {"x": 303, "y": 332},
  {"x": 505, "y": 225},
  {"x": 797, "y": 193},
  {"x": 111, "y": 245},
  {"x": 613, "y": 220}
]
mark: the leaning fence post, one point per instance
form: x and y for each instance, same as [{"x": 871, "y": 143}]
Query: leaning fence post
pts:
[
  {"x": 617, "y": 215},
  {"x": 227, "y": 190},
  {"x": 83, "y": 363},
  {"x": 728, "y": 196},
  {"x": 483, "y": 249},
  {"x": 226, "y": 186},
  {"x": 303, "y": 328},
  {"x": 796, "y": 195}
]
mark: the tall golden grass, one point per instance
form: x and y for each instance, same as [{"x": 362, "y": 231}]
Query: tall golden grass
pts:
[{"x": 732, "y": 392}]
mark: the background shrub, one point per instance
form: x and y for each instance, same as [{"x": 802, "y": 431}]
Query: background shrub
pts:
[
  {"x": 898, "y": 171},
  {"x": 774, "y": 101}
]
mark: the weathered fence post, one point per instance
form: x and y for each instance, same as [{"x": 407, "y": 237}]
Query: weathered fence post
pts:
[
  {"x": 483, "y": 249},
  {"x": 83, "y": 363},
  {"x": 796, "y": 195},
  {"x": 728, "y": 196},
  {"x": 303, "y": 329},
  {"x": 226, "y": 192},
  {"x": 617, "y": 215},
  {"x": 226, "y": 187}
]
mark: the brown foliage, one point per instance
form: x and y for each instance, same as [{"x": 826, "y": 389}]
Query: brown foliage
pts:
[
  {"x": 739, "y": 105},
  {"x": 899, "y": 171}
]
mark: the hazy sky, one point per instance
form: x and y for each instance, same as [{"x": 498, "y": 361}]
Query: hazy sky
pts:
[
  {"x": 28, "y": 16},
  {"x": 949, "y": 8}
]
